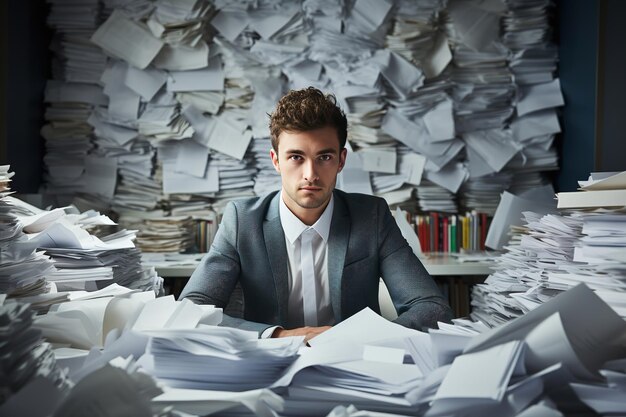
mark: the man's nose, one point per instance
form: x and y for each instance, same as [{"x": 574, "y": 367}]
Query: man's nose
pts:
[{"x": 310, "y": 172}]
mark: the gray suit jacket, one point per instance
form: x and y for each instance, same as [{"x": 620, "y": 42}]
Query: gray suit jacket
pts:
[{"x": 364, "y": 244}]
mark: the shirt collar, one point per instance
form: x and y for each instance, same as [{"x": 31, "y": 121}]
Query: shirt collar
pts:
[{"x": 293, "y": 226}]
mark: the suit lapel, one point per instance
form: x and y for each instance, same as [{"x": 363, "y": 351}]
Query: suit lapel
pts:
[
  {"x": 277, "y": 255},
  {"x": 337, "y": 247}
]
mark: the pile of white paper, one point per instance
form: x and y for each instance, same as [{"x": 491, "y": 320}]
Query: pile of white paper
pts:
[
  {"x": 162, "y": 234},
  {"x": 23, "y": 269},
  {"x": 552, "y": 253},
  {"x": 217, "y": 358}
]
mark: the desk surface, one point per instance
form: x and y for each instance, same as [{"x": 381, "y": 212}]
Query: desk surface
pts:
[{"x": 436, "y": 265}]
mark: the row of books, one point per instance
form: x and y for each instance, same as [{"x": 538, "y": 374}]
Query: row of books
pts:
[
  {"x": 205, "y": 233},
  {"x": 439, "y": 232}
]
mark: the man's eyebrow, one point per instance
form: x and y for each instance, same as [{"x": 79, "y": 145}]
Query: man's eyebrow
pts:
[
  {"x": 322, "y": 152},
  {"x": 327, "y": 150}
]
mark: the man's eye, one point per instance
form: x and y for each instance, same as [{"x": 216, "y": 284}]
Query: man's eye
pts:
[
  {"x": 325, "y": 157},
  {"x": 295, "y": 157}
]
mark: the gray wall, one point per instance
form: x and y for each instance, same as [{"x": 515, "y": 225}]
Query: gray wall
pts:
[
  {"x": 593, "y": 77},
  {"x": 611, "y": 139},
  {"x": 25, "y": 58}
]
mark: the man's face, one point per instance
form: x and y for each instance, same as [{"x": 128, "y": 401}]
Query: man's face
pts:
[{"x": 308, "y": 163}]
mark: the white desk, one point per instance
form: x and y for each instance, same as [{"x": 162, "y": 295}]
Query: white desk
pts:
[
  {"x": 436, "y": 265},
  {"x": 455, "y": 276}
]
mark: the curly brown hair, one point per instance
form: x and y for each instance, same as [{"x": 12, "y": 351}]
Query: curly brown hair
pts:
[{"x": 305, "y": 110}]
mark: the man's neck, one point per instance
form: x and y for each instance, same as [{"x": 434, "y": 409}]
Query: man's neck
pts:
[{"x": 306, "y": 216}]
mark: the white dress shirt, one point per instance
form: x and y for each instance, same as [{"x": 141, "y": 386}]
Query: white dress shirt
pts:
[{"x": 294, "y": 229}]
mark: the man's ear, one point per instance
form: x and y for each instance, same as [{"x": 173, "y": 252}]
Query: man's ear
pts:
[
  {"x": 343, "y": 154},
  {"x": 274, "y": 156}
]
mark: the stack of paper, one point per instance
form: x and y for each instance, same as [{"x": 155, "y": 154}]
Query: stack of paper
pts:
[
  {"x": 28, "y": 365},
  {"x": 552, "y": 254},
  {"x": 83, "y": 259},
  {"x": 483, "y": 193},
  {"x": 528, "y": 34},
  {"x": 217, "y": 358},
  {"x": 68, "y": 134},
  {"x": 78, "y": 59},
  {"x": 137, "y": 188},
  {"x": 116, "y": 314},
  {"x": 602, "y": 189},
  {"x": 23, "y": 269},
  {"x": 351, "y": 364},
  {"x": 162, "y": 234},
  {"x": 71, "y": 96},
  {"x": 432, "y": 197},
  {"x": 267, "y": 178},
  {"x": 415, "y": 36}
]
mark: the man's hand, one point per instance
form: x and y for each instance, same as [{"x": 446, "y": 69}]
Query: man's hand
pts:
[{"x": 308, "y": 332}]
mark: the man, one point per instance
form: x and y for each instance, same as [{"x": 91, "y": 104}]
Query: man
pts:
[{"x": 310, "y": 256}]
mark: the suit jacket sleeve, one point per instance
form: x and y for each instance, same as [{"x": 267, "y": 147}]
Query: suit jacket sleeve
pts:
[
  {"x": 414, "y": 293},
  {"x": 215, "y": 278}
]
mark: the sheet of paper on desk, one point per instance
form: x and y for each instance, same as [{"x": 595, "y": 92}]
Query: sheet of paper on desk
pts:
[
  {"x": 604, "y": 181},
  {"x": 539, "y": 96},
  {"x": 593, "y": 337},
  {"x": 127, "y": 40},
  {"x": 495, "y": 367},
  {"x": 548, "y": 344},
  {"x": 204, "y": 402},
  {"x": 145, "y": 82},
  {"x": 326, "y": 353},
  {"x": 72, "y": 328},
  {"x": 374, "y": 376},
  {"x": 358, "y": 329}
]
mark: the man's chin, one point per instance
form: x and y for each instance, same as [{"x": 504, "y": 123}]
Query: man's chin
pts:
[{"x": 310, "y": 203}]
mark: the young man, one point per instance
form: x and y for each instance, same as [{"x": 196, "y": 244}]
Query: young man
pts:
[{"x": 310, "y": 256}]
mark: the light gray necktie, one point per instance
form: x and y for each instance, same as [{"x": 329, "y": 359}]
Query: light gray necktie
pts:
[{"x": 309, "y": 292}]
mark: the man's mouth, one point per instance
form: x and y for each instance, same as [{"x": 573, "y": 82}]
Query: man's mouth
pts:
[{"x": 310, "y": 188}]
